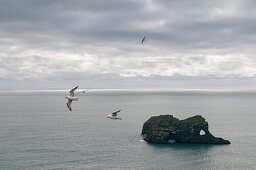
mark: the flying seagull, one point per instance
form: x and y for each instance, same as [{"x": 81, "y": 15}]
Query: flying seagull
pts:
[
  {"x": 114, "y": 115},
  {"x": 71, "y": 98},
  {"x": 143, "y": 40}
]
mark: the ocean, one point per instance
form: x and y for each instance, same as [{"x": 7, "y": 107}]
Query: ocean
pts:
[{"x": 37, "y": 131}]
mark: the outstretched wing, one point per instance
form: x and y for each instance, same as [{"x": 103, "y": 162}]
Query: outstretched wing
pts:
[
  {"x": 81, "y": 92},
  {"x": 115, "y": 113},
  {"x": 69, "y": 104},
  {"x": 72, "y": 91}
]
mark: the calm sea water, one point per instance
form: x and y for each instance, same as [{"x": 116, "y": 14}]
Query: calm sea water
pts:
[{"x": 38, "y": 132}]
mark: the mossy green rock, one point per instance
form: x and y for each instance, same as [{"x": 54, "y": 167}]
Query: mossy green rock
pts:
[{"x": 161, "y": 129}]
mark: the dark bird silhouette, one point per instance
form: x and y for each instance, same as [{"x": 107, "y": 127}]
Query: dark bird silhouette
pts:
[
  {"x": 143, "y": 40},
  {"x": 115, "y": 113}
]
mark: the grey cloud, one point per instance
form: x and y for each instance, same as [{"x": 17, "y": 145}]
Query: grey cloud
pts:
[{"x": 43, "y": 39}]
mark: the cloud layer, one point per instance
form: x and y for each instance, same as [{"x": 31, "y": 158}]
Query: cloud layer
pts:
[{"x": 49, "y": 40}]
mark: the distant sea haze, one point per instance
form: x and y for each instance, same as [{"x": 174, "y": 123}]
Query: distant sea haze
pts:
[{"x": 39, "y": 132}]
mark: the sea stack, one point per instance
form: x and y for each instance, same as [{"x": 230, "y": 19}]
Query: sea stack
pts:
[{"x": 166, "y": 129}]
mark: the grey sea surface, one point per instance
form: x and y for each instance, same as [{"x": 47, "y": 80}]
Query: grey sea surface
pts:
[{"x": 37, "y": 131}]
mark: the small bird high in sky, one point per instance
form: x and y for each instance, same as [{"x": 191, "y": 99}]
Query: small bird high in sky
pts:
[{"x": 143, "y": 40}]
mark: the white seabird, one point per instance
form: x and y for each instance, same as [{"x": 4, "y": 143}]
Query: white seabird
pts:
[
  {"x": 114, "y": 115},
  {"x": 71, "y": 98}
]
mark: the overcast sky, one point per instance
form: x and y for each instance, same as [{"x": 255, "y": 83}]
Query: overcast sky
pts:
[{"x": 58, "y": 44}]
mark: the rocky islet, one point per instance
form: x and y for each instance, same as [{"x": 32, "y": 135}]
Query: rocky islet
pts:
[{"x": 166, "y": 129}]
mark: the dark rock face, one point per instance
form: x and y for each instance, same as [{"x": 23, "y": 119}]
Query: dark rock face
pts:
[{"x": 161, "y": 129}]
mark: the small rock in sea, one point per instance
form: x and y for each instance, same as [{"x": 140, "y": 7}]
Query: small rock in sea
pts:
[{"x": 165, "y": 128}]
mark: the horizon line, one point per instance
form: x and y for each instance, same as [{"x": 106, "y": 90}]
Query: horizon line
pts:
[{"x": 135, "y": 90}]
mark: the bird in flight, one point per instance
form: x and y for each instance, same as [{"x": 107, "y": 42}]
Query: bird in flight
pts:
[
  {"x": 143, "y": 40},
  {"x": 71, "y": 98},
  {"x": 114, "y": 115}
]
